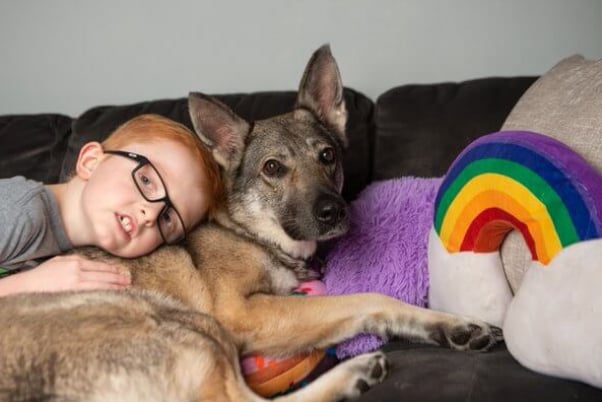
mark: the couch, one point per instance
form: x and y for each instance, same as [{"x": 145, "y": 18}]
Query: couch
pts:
[{"x": 410, "y": 130}]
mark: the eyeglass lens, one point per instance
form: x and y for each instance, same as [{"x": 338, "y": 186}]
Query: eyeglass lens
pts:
[{"x": 152, "y": 188}]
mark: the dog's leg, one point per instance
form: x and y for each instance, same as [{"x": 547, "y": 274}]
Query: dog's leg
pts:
[
  {"x": 348, "y": 380},
  {"x": 226, "y": 384},
  {"x": 281, "y": 325}
]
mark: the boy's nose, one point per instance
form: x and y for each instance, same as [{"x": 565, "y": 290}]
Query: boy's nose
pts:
[{"x": 150, "y": 212}]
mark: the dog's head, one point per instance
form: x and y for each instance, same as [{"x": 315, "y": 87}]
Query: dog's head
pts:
[{"x": 283, "y": 175}]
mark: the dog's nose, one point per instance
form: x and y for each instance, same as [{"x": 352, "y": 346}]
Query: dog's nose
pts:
[{"x": 330, "y": 210}]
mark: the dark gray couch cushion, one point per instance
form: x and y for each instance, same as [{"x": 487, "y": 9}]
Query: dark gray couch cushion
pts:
[
  {"x": 97, "y": 123},
  {"x": 432, "y": 374},
  {"x": 33, "y": 145}
]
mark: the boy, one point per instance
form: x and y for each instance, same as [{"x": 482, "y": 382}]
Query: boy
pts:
[{"x": 147, "y": 184}]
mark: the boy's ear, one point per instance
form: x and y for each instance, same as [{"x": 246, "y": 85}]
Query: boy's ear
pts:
[{"x": 89, "y": 157}]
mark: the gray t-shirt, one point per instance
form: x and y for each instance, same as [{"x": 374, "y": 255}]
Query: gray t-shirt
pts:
[{"x": 31, "y": 227}]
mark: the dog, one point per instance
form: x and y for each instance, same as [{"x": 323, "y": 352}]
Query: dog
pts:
[{"x": 195, "y": 308}]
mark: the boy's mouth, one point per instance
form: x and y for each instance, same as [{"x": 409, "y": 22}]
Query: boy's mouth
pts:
[{"x": 127, "y": 224}]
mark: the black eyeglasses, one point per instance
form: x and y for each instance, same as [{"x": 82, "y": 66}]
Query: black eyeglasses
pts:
[{"x": 152, "y": 187}]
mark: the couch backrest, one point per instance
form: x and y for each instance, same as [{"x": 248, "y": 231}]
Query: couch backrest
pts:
[
  {"x": 33, "y": 145},
  {"x": 414, "y": 130},
  {"x": 420, "y": 129}
]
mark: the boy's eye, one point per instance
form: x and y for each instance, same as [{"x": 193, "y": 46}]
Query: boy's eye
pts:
[
  {"x": 170, "y": 225},
  {"x": 149, "y": 183},
  {"x": 145, "y": 180},
  {"x": 166, "y": 218}
]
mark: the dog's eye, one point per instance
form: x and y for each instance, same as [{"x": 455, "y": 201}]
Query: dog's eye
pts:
[
  {"x": 327, "y": 156},
  {"x": 273, "y": 168}
]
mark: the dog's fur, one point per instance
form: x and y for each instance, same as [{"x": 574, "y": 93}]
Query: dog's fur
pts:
[{"x": 194, "y": 309}]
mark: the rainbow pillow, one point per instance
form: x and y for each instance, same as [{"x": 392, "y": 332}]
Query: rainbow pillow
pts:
[
  {"x": 534, "y": 184},
  {"x": 529, "y": 182}
]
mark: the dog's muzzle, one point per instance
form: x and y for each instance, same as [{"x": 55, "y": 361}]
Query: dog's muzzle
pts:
[{"x": 330, "y": 210}]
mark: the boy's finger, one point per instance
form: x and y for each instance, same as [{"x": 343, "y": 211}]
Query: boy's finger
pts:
[
  {"x": 92, "y": 285},
  {"x": 106, "y": 277},
  {"x": 101, "y": 267}
]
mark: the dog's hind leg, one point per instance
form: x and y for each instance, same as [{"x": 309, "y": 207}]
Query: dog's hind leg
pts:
[
  {"x": 227, "y": 385},
  {"x": 348, "y": 380}
]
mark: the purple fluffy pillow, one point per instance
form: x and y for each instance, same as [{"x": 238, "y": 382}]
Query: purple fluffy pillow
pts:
[{"x": 385, "y": 250}]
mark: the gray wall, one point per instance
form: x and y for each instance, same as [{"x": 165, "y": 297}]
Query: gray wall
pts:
[{"x": 66, "y": 56}]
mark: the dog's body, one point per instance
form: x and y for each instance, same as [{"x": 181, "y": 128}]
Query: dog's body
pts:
[{"x": 194, "y": 309}]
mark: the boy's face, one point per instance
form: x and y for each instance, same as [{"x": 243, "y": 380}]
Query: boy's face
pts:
[{"x": 121, "y": 221}]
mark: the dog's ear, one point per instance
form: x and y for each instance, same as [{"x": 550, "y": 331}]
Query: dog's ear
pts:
[
  {"x": 321, "y": 91},
  {"x": 220, "y": 129}
]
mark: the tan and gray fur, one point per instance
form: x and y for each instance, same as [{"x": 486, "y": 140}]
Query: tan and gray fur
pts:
[{"x": 178, "y": 334}]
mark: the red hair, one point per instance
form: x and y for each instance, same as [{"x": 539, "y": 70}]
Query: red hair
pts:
[{"x": 151, "y": 128}]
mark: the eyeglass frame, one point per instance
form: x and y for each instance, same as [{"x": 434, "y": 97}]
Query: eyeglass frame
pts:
[{"x": 143, "y": 161}]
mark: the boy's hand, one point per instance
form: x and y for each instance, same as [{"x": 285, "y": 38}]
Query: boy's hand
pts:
[{"x": 71, "y": 272}]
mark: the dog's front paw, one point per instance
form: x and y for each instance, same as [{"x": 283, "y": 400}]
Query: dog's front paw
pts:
[
  {"x": 467, "y": 335},
  {"x": 363, "y": 372}
]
